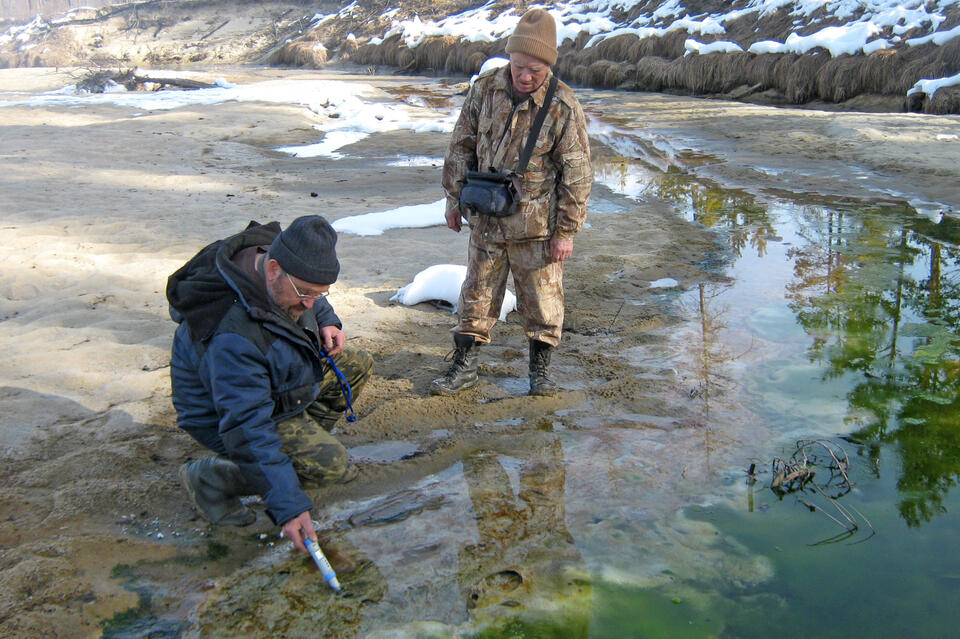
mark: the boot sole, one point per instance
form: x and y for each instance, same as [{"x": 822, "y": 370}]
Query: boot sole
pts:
[
  {"x": 551, "y": 393},
  {"x": 542, "y": 391},
  {"x": 435, "y": 390}
]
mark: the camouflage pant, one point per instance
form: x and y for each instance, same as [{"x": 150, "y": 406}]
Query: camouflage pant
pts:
[
  {"x": 317, "y": 456},
  {"x": 539, "y": 283}
]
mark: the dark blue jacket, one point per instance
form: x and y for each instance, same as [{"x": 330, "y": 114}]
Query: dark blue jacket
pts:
[{"x": 240, "y": 364}]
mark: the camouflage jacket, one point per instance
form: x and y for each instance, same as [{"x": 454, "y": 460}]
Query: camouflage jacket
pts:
[{"x": 490, "y": 135}]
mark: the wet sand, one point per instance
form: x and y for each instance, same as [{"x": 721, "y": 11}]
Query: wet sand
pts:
[{"x": 100, "y": 205}]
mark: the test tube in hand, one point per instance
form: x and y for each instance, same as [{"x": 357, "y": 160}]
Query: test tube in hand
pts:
[{"x": 322, "y": 563}]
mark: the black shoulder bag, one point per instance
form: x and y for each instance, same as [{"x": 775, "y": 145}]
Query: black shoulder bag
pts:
[{"x": 497, "y": 194}]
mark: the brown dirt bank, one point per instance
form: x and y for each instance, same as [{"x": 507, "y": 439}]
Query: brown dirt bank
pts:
[
  {"x": 100, "y": 204},
  {"x": 183, "y": 32}
]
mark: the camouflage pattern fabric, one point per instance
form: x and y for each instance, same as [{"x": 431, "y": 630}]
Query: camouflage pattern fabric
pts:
[
  {"x": 538, "y": 280},
  {"x": 489, "y": 136},
  {"x": 356, "y": 365},
  {"x": 317, "y": 456}
]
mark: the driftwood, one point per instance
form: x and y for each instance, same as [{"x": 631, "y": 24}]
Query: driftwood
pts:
[
  {"x": 180, "y": 83},
  {"x": 97, "y": 81}
]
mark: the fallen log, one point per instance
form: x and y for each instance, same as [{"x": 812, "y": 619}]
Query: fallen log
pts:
[{"x": 180, "y": 83}]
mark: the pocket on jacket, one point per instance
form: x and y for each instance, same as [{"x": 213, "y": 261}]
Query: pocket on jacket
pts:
[{"x": 294, "y": 400}]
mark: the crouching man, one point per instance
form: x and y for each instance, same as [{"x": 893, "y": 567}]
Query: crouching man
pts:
[{"x": 260, "y": 374}]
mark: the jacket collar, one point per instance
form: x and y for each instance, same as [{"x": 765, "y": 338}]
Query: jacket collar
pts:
[{"x": 202, "y": 291}]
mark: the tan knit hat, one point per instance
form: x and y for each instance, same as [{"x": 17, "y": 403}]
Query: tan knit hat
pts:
[{"x": 536, "y": 35}]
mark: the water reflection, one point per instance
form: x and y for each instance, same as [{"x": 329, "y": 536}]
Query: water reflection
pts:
[
  {"x": 643, "y": 168},
  {"x": 874, "y": 288},
  {"x": 882, "y": 301},
  {"x": 876, "y": 292},
  {"x": 524, "y": 558}
]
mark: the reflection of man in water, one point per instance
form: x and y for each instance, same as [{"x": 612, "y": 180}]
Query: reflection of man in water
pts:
[{"x": 525, "y": 558}]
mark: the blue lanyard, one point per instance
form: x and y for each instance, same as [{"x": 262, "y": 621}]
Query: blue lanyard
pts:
[{"x": 344, "y": 386}]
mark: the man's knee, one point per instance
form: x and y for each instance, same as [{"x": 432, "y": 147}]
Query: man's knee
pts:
[
  {"x": 356, "y": 365},
  {"x": 317, "y": 456},
  {"x": 325, "y": 464}
]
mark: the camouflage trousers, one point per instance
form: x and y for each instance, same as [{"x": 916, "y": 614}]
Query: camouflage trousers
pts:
[
  {"x": 317, "y": 456},
  {"x": 539, "y": 283}
]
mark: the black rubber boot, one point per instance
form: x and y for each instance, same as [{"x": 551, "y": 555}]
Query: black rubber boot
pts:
[
  {"x": 463, "y": 371},
  {"x": 215, "y": 486},
  {"x": 540, "y": 384}
]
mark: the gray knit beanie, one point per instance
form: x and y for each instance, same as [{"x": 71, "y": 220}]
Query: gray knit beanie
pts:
[
  {"x": 536, "y": 35},
  {"x": 307, "y": 249}
]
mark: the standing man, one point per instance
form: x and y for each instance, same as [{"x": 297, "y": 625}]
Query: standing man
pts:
[
  {"x": 260, "y": 374},
  {"x": 533, "y": 242}
]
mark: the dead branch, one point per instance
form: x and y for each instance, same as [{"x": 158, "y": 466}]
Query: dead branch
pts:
[
  {"x": 210, "y": 33},
  {"x": 797, "y": 474},
  {"x": 180, "y": 83}
]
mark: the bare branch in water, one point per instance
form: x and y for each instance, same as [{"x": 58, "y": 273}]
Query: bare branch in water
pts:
[{"x": 797, "y": 474}]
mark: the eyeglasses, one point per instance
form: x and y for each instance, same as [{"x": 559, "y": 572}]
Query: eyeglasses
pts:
[{"x": 317, "y": 296}]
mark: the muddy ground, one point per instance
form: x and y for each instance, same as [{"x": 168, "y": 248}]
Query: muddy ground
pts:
[{"x": 99, "y": 205}]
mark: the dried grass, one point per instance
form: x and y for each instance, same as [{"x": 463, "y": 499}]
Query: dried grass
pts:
[
  {"x": 651, "y": 73},
  {"x": 434, "y": 52},
  {"x": 946, "y": 100},
  {"x": 475, "y": 61},
  {"x": 716, "y": 72},
  {"x": 605, "y": 74},
  {"x": 797, "y": 476},
  {"x": 347, "y": 50},
  {"x": 880, "y": 71},
  {"x": 465, "y": 55},
  {"x": 796, "y": 76},
  {"x": 673, "y": 74},
  {"x": 659, "y": 64},
  {"x": 405, "y": 59},
  {"x": 299, "y": 54},
  {"x": 564, "y": 67},
  {"x": 385, "y": 53},
  {"x": 670, "y": 46},
  {"x": 748, "y": 29},
  {"x": 618, "y": 48},
  {"x": 840, "y": 78},
  {"x": 762, "y": 69}
]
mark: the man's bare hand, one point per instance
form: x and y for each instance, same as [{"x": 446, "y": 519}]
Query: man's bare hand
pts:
[
  {"x": 298, "y": 529},
  {"x": 454, "y": 220},
  {"x": 333, "y": 339},
  {"x": 560, "y": 249}
]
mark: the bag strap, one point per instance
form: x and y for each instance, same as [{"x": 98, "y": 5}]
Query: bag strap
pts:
[{"x": 537, "y": 125}]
